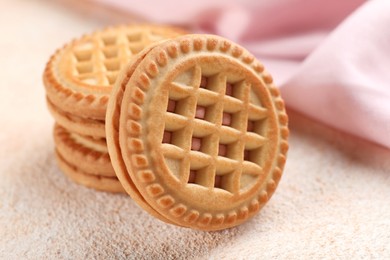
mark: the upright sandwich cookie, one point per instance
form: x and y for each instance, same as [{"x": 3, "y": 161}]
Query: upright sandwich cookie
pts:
[{"x": 197, "y": 132}]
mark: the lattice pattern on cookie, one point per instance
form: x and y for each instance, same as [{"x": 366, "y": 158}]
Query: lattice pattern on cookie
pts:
[
  {"x": 213, "y": 210},
  {"x": 98, "y": 59},
  {"x": 214, "y": 131}
]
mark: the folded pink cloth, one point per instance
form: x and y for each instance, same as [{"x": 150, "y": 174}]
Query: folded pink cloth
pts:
[{"x": 330, "y": 58}]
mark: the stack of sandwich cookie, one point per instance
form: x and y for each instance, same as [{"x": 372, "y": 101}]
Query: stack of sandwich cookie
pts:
[
  {"x": 192, "y": 127},
  {"x": 78, "y": 80}
]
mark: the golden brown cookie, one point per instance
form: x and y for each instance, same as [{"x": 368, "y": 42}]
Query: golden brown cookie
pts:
[
  {"x": 76, "y": 124},
  {"x": 199, "y": 131},
  {"x": 79, "y": 77},
  {"x": 102, "y": 183},
  {"x": 88, "y": 153}
]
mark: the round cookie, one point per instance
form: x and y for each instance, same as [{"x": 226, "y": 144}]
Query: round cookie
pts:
[
  {"x": 76, "y": 124},
  {"x": 88, "y": 153},
  {"x": 200, "y": 130},
  {"x": 79, "y": 77},
  {"x": 109, "y": 184}
]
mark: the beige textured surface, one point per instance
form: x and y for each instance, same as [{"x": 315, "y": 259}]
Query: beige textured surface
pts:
[{"x": 333, "y": 201}]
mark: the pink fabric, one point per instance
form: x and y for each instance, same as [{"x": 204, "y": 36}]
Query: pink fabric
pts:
[{"x": 330, "y": 58}]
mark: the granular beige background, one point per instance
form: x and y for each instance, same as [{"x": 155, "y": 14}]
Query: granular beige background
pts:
[{"x": 332, "y": 202}]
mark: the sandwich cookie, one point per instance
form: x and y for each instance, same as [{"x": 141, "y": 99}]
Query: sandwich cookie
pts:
[
  {"x": 79, "y": 77},
  {"x": 85, "y": 160},
  {"x": 76, "y": 124},
  {"x": 197, "y": 132},
  {"x": 88, "y": 153},
  {"x": 101, "y": 183}
]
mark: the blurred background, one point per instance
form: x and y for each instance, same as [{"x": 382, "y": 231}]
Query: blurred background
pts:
[{"x": 280, "y": 33}]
